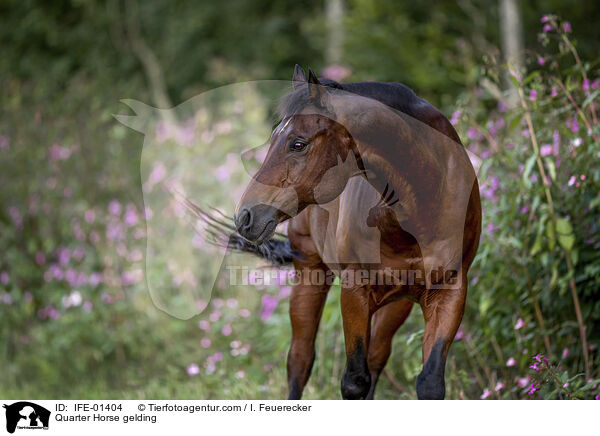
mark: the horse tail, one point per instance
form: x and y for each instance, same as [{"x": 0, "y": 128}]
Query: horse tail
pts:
[{"x": 221, "y": 232}]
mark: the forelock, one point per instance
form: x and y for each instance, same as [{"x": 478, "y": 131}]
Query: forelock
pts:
[{"x": 294, "y": 102}]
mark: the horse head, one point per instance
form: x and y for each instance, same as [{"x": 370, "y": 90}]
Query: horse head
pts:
[{"x": 309, "y": 161}]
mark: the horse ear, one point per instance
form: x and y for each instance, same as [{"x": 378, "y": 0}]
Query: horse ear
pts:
[
  {"x": 299, "y": 78},
  {"x": 315, "y": 89},
  {"x": 312, "y": 77}
]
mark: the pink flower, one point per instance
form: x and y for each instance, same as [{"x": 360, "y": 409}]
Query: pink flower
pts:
[
  {"x": 586, "y": 84},
  {"x": 235, "y": 344},
  {"x": 203, "y": 325},
  {"x": 532, "y": 389},
  {"x": 114, "y": 207},
  {"x": 131, "y": 216},
  {"x": 240, "y": 374},
  {"x": 547, "y": 28},
  {"x": 205, "y": 342},
  {"x": 499, "y": 386},
  {"x": 532, "y": 94},
  {"x": 511, "y": 362},
  {"x": 541, "y": 61},
  {"x": 193, "y": 370},
  {"x": 6, "y": 298},
  {"x": 544, "y": 19},
  {"x": 492, "y": 228},
  {"x": 596, "y": 84},
  {"x": 455, "y": 116},
  {"x": 535, "y": 367},
  {"x": 222, "y": 173},
  {"x": 554, "y": 92},
  {"x": 522, "y": 382},
  {"x": 40, "y": 258},
  {"x": 336, "y": 72},
  {"x": 214, "y": 316},
  {"x": 567, "y": 27},
  {"x": 472, "y": 133},
  {"x": 64, "y": 255},
  {"x": 285, "y": 292},
  {"x": 546, "y": 150},
  {"x": 217, "y": 357},
  {"x": 59, "y": 153},
  {"x": 106, "y": 298},
  {"x": 575, "y": 125},
  {"x": 565, "y": 353},
  {"x": 268, "y": 306},
  {"x": 571, "y": 181},
  {"x": 226, "y": 330},
  {"x": 520, "y": 324},
  {"x": 486, "y": 393},
  {"x": 95, "y": 278},
  {"x": 459, "y": 335}
]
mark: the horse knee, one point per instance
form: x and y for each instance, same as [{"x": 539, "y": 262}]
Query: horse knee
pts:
[{"x": 355, "y": 385}]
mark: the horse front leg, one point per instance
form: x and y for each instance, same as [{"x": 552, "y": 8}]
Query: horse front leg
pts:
[
  {"x": 306, "y": 307},
  {"x": 386, "y": 321},
  {"x": 356, "y": 315},
  {"x": 443, "y": 310}
]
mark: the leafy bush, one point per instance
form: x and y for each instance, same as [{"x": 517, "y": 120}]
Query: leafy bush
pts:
[{"x": 535, "y": 282}]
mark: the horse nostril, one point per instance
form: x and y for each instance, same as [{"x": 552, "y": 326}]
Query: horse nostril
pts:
[{"x": 244, "y": 219}]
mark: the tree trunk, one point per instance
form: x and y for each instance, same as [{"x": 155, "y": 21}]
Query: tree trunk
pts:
[
  {"x": 511, "y": 33},
  {"x": 334, "y": 12}
]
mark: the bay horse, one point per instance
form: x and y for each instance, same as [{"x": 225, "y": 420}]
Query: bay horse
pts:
[{"x": 371, "y": 178}]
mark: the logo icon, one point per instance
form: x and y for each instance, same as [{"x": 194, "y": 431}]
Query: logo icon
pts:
[{"x": 26, "y": 415}]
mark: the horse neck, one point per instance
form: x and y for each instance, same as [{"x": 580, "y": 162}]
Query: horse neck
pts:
[
  {"x": 398, "y": 160},
  {"x": 399, "y": 149}
]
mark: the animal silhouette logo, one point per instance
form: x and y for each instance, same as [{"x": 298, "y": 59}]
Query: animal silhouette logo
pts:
[
  {"x": 199, "y": 158},
  {"x": 26, "y": 415}
]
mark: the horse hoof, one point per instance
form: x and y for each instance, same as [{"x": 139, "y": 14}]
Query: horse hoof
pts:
[
  {"x": 356, "y": 387},
  {"x": 430, "y": 388}
]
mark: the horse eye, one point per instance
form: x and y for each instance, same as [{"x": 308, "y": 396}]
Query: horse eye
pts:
[{"x": 298, "y": 145}]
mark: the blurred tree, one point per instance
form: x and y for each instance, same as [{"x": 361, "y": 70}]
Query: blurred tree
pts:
[
  {"x": 512, "y": 40},
  {"x": 334, "y": 15}
]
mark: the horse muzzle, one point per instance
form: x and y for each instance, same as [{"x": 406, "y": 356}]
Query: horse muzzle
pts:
[{"x": 257, "y": 224}]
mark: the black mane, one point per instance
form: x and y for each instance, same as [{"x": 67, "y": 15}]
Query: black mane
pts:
[{"x": 392, "y": 94}]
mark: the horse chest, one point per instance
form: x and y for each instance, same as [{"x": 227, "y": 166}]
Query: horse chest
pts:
[{"x": 339, "y": 228}]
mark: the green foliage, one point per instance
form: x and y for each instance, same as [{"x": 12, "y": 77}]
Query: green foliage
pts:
[{"x": 540, "y": 188}]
